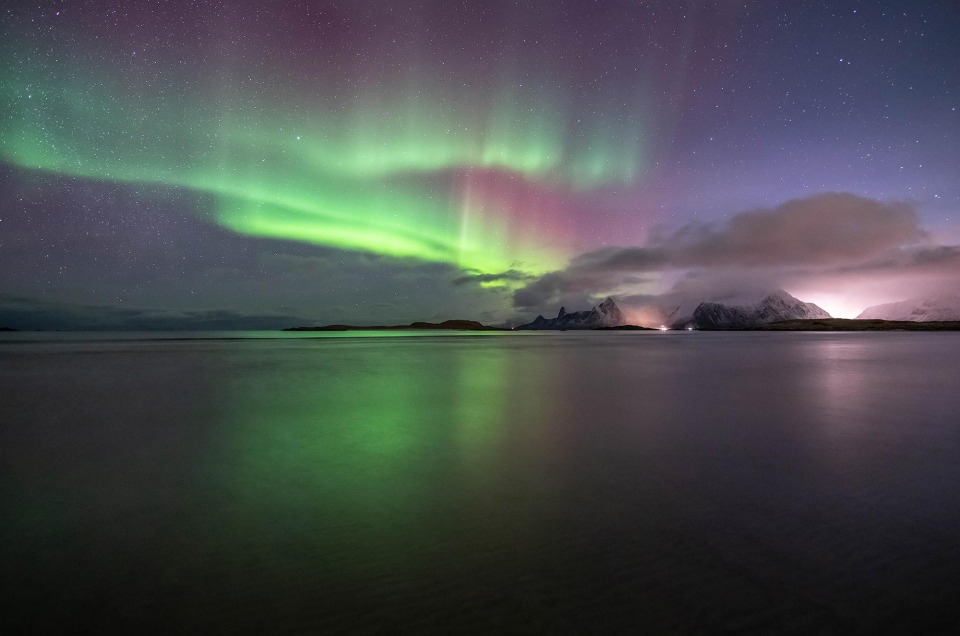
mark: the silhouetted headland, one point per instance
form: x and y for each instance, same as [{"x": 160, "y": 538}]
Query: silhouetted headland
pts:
[
  {"x": 456, "y": 325},
  {"x": 853, "y": 324}
]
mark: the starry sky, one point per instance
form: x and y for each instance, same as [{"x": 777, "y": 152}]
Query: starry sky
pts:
[{"x": 206, "y": 165}]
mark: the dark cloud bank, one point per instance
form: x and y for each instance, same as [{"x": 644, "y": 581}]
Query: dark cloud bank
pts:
[{"x": 828, "y": 239}]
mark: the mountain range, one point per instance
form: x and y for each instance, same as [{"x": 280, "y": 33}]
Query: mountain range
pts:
[
  {"x": 916, "y": 309},
  {"x": 774, "y": 306},
  {"x": 606, "y": 314}
]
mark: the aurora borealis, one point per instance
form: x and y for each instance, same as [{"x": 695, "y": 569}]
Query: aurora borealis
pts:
[
  {"x": 394, "y": 176},
  {"x": 404, "y": 167},
  {"x": 336, "y": 160}
]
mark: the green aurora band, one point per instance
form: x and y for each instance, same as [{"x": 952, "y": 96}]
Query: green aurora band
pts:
[{"x": 383, "y": 172}]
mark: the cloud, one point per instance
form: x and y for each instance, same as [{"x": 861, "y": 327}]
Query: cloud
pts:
[
  {"x": 912, "y": 272},
  {"x": 819, "y": 230},
  {"x": 816, "y": 236},
  {"x": 507, "y": 276},
  {"x": 575, "y": 287},
  {"x": 937, "y": 259}
]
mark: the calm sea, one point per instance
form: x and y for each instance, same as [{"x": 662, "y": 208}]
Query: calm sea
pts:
[{"x": 557, "y": 483}]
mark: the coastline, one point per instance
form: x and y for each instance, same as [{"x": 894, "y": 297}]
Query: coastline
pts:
[
  {"x": 458, "y": 325},
  {"x": 815, "y": 324}
]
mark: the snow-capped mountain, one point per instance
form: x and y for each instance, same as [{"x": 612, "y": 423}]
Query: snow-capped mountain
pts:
[
  {"x": 916, "y": 309},
  {"x": 772, "y": 307},
  {"x": 606, "y": 314}
]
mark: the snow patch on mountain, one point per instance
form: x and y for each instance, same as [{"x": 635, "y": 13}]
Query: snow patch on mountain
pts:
[
  {"x": 741, "y": 313},
  {"x": 916, "y": 309}
]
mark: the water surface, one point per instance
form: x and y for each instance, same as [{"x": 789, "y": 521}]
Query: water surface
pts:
[{"x": 456, "y": 483}]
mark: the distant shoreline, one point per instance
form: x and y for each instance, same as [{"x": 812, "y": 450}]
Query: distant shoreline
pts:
[
  {"x": 453, "y": 325},
  {"x": 855, "y": 324},
  {"x": 815, "y": 324}
]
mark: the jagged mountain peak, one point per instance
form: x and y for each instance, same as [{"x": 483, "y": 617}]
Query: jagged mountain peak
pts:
[
  {"x": 606, "y": 314},
  {"x": 780, "y": 294},
  {"x": 613, "y": 315}
]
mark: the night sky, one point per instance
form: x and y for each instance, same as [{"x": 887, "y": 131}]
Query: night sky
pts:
[{"x": 262, "y": 164}]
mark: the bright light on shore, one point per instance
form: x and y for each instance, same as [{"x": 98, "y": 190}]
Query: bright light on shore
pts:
[
  {"x": 839, "y": 305},
  {"x": 662, "y": 328}
]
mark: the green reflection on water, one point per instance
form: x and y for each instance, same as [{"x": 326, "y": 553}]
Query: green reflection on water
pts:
[{"x": 366, "y": 454}]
